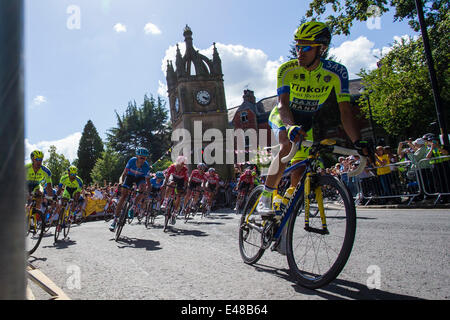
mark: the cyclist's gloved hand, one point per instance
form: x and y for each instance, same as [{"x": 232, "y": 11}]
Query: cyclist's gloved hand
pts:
[{"x": 295, "y": 131}]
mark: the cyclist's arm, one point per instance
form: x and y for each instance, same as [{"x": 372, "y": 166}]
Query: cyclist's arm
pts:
[
  {"x": 284, "y": 110},
  {"x": 123, "y": 175},
  {"x": 349, "y": 122}
]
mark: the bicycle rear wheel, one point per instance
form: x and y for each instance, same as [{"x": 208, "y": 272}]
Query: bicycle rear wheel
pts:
[
  {"x": 249, "y": 236},
  {"x": 148, "y": 213},
  {"x": 35, "y": 231},
  {"x": 59, "y": 225},
  {"x": 67, "y": 223},
  {"x": 316, "y": 259},
  {"x": 168, "y": 214}
]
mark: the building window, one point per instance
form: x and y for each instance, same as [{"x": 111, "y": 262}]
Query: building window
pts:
[{"x": 244, "y": 117}]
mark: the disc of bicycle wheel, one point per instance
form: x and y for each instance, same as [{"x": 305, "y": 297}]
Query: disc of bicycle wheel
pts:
[
  {"x": 315, "y": 258},
  {"x": 249, "y": 237}
]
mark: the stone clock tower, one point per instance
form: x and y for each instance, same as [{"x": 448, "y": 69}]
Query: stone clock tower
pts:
[{"x": 197, "y": 95}]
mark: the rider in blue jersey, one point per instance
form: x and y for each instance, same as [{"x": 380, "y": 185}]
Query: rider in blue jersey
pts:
[
  {"x": 136, "y": 171},
  {"x": 156, "y": 184}
]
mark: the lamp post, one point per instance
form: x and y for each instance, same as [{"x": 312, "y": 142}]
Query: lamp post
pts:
[
  {"x": 372, "y": 129},
  {"x": 433, "y": 78}
]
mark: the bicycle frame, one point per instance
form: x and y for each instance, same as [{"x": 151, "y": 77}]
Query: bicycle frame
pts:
[{"x": 298, "y": 192}]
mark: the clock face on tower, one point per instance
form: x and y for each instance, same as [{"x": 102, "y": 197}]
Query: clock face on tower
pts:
[{"x": 203, "y": 97}]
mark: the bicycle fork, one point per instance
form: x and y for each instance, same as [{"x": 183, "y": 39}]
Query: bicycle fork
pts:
[{"x": 318, "y": 195}]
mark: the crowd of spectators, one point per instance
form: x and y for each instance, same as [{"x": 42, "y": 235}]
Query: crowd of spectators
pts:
[{"x": 415, "y": 170}]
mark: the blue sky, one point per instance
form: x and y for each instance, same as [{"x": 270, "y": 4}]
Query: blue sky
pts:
[{"x": 118, "y": 51}]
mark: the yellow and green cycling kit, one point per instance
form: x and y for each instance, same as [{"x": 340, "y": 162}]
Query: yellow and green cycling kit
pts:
[
  {"x": 34, "y": 179},
  {"x": 71, "y": 187},
  {"x": 308, "y": 91}
]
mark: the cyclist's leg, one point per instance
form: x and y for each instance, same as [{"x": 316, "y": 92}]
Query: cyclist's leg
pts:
[{"x": 301, "y": 155}]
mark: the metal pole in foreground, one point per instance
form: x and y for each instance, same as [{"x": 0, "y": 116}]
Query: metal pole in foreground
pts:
[
  {"x": 12, "y": 173},
  {"x": 434, "y": 84}
]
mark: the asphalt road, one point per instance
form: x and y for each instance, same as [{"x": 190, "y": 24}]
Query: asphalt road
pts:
[{"x": 398, "y": 254}]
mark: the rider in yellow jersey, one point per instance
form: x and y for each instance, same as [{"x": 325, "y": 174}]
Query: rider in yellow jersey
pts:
[
  {"x": 36, "y": 173},
  {"x": 303, "y": 86},
  {"x": 72, "y": 186}
]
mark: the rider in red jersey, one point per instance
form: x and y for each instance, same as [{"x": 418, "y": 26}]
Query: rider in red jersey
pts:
[
  {"x": 196, "y": 181},
  {"x": 176, "y": 175},
  {"x": 211, "y": 186},
  {"x": 246, "y": 181}
]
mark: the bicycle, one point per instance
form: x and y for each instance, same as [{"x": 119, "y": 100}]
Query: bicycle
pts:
[
  {"x": 317, "y": 244},
  {"x": 124, "y": 215},
  {"x": 192, "y": 206},
  {"x": 64, "y": 221},
  {"x": 240, "y": 200},
  {"x": 151, "y": 216},
  {"x": 35, "y": 226},
  {"x": 170, "y": 214}
]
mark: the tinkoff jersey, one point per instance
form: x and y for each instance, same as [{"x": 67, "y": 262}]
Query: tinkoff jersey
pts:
[{"x": 308, "y": 90}]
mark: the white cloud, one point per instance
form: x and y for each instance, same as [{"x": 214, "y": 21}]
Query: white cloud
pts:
[
  {"x": 38, "y": 100},
  {"x": 162, "y": 89},
  {"x": 67, "y": 146},
  {"x": 361, "y": 53},
  {"x": 119, "y": 27},
  {"x": 243, "y": 68},
  {"x": 150, "y": 28}
]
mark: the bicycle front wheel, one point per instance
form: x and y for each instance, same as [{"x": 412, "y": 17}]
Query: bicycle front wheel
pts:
[
  {"x": 122, "y": 220},
  {"x": 67, "y": 223},
  {"x": 316, "y": 258},
  {"x": 35, "y": 230},
  {"x": 249, "y": 229}
]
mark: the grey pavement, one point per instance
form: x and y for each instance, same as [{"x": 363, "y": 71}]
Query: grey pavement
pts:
[{"x": 398, "y": 254}]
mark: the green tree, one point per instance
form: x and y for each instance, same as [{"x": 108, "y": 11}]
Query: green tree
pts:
[
  {"x": 399, "y": 91},
  {"x": 401, "y": 96},
  {"x": 346, "y": 12},
  {"x": 107, "y": 168},
  {"x": 89, "y": 150},
  {"x": 144, "y": 126},
  {"x": 57, "y": 163}
]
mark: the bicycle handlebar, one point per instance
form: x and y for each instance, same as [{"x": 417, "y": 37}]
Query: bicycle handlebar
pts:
[{"x": 336, "y": 149}]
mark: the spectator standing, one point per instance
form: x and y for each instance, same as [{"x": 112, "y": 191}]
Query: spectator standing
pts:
[{"x": 383, "y": 170}]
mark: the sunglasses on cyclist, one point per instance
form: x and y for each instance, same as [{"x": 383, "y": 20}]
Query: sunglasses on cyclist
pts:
[
  {"x": 38, "y": 159},
  {"x": 141, "y": 157},
  {"x": 305, "y": 47}
]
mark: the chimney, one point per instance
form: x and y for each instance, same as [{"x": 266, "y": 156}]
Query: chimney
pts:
[{"x": 249, "y": 96}]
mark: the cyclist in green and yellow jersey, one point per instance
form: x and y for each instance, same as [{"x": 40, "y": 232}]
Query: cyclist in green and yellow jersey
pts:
[
  {"x": 72, "y": 186},
  {"x": 35, "y": 174},
  {"x": 303, "y": 86}
]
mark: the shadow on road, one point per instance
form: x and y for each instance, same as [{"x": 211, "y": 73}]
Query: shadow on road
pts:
[
  {"x": 34, "y": 259},
  {"x": 181, "y": 232},
  {"x": 135, "y": 243},
  {"x": 338, "y": 289},
  {"x": 62, "y": 244}
]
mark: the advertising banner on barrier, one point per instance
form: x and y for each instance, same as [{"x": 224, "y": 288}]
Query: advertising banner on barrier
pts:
[{"x": 95, "y": 206}]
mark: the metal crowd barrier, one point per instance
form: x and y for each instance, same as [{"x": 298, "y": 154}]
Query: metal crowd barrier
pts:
[
  {"x": 435, "y": 178},
  {"x": 430, "y": 177}
]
